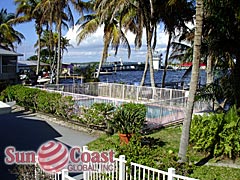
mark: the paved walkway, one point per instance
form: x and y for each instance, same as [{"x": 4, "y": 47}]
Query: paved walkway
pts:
[{"x": 27, "y": 132}]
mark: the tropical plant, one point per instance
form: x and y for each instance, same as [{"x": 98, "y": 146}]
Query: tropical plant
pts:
[
  {"x": 174, "y": 16},
  {"x": 46, "y": 53},
  {"x": 56, "y": 11},
  {"x": 193, "y": 83},
  {"x": 113, "y": 33},
  {"x": 26, "y": 12},
  {"x": 8, "y": 35},
  {"x": 146, "y": 11},
  {"x": 217, "y": 134},
  {"x": 222, "y": 31},
  {"x": 99, "y": 114},
  {"x": 38, "y": 100},
  {"x": 129, "y": 118}
]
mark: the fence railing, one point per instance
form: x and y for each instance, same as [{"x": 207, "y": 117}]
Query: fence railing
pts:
[
  {"x": 125, "y": 171},
  {"x": 119, "y": 91},
  {"x": 161, "y": 112}
]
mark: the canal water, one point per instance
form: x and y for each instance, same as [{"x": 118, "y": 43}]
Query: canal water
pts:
[{"x": 134, "y": 77}]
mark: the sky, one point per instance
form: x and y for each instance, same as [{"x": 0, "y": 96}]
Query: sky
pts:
[{"x": 89, "y": 50}]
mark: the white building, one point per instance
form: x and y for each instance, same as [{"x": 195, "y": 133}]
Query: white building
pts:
[{"x": 157, "y": 60}]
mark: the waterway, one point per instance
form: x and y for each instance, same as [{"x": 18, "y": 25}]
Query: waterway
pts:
[{"x": 134, "y": 77}]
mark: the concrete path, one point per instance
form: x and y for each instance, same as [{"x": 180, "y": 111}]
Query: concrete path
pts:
[{"x": 27, "y": 132}]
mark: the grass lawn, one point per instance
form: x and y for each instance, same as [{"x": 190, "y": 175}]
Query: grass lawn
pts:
[{"x": 164, "y": 150}]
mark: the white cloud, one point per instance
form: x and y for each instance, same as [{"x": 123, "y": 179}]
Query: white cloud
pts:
[
  {"x": 95, "y": 39},
  {"x": 90, "y": 49}
]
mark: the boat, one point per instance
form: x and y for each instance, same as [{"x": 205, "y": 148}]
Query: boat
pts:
[
  {"x": 43, "y": 80},
  {"x": 106, "y": 73}
]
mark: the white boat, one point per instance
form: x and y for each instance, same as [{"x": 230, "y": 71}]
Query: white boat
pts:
[{"x": 43, "y": 80}]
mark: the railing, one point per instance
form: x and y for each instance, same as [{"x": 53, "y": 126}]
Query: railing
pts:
[
  {"x": 167, "y": 108},
  {"x": 122, "y": 171},
  {"x": 119, "y": 91}
]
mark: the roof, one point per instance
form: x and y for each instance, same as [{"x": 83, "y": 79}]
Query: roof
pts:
[
  {"x": 188, "y": 64},
  {"x": 30, "y": 63},
  {"x": 9, "y": 53}
]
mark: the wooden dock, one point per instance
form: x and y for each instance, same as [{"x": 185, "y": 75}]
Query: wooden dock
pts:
[{"x": 71, "y": 77}]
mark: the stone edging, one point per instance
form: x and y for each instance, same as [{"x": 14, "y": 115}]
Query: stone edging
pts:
[{"x": 60, "y": 121}]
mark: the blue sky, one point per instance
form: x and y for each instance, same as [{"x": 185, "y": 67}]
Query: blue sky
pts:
[{"x": 89, "y": 50}]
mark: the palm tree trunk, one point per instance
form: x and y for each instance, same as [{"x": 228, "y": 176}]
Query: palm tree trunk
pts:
[
  {"x": 99, "y": 68},
  {"x": 150, "y": 57},
  {"x": 104, "y": 55},
  {"x": 193, "y": 84},
  {"x": 209, "y": 68},
  {"x": 39, "y": 54},
  {"x": 166, "y": 60},
  {"x": 145, "y": 71},
  {"x": 59, "y": 51}
]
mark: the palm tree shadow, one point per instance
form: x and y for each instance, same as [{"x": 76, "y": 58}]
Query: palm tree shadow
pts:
[
  {"x": 25, "y": 133},
  {"x": 204, "y": 160},
  {"x": 152, "y": 142}
]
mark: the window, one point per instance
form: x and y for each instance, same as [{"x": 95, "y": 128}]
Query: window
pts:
[{"x": 9, "y": 64}]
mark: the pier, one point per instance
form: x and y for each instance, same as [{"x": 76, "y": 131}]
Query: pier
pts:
[{"x": 113, "y": 66}]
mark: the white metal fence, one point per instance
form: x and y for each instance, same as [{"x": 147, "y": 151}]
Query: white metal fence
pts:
[
  {"x": 124, "y": 171},
  {"x": 168, "y": 106},
  {"x": 119, "y": 91}
]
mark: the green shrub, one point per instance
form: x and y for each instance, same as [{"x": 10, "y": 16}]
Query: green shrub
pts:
[
  {"x": 39, "y": 100},
  {"x": 64, "y": 107},
  {"x": 98, "y": 114},
  {"x": 129, "y": 118},
  {"x": 46, "y": 102},
  {"x": 152, "y": 154},
  {"x": 217, "y": 134}
]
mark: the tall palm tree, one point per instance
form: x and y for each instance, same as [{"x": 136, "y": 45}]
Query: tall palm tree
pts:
[
  {"x": 26, "y": 12},
  {"x": 8, "y": 35},
  {"x": 113, "y": 34},
  {"x": 57, "y": 11},
  {"x": 174, "y": 16},
  {"x": 223, "y": 39},
  {"x": 45, "y": 41},
  {"x": 147, "y": 10},
  {"x": 193, "y": 83}
]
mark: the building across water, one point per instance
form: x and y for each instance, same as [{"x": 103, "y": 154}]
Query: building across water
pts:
[{"x": 112, "y": 66}]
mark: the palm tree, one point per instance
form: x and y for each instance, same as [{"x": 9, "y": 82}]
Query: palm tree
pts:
[
  {"x": 193, "y": 83},
  {"x": 26, "y": 12},
  {"x": 147, "y": 11},
  {"x": 113, "y": 33},
  {"x": 45, "y": 41},
  {"x": 224, "y": 41},
  {"x": 8, "y": 35},
  {"x": 183, "y": 51},
  {"x": 174, "y": 16},
  {"x": 57, "y": 11}
]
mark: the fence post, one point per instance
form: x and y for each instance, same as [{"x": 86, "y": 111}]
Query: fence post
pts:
[
  {"x": 85, "y": 148},
  {"x": 110, "y": 90},
  {"x": 35, "y": 167},
  {"x": 64, "y": 173},
  {"x": 171, "y": 172},
  {"x": 123, "y": 91},
  {"x": 137, "y": 92},
  {"x": 171, "y": 94},
  {"x": 122, "y": 167}
]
